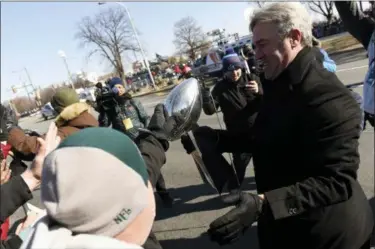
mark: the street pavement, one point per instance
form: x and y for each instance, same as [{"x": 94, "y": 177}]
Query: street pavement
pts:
[{"x": 184, "y": 225}]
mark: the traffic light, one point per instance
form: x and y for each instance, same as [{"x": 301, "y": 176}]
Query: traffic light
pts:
[{"x": 14, "y": 89}]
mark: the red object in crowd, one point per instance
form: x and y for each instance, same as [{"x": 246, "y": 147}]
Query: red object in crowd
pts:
[
  {"x": 4, "y": 228},
  {"x": 186, "y": 69},
  {"x": 177, "y": 69}
]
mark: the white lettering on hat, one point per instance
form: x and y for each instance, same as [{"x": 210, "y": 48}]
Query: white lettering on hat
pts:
[{"x": 123, "y": 215}]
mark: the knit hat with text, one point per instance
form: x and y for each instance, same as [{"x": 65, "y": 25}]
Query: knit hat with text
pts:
[{"x": 95, "y": 182}]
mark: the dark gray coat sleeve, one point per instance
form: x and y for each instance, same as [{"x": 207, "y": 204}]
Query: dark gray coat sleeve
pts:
[
  {"x": 14, "y": 194},
  {"x": 153, "y": 153}
]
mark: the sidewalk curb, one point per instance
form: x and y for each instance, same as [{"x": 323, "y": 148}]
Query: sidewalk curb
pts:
[
  {"x": 356, "y": 49},
  {"x": 153, "y": 92}
]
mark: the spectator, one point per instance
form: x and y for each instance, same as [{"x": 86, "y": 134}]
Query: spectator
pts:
[
  {"x": 363, "y": 29},
  {"x": 73, "y": 116},
  {"x": 122, "y": 211},
  {"x": 18, "y": 190},
  {"x": 330, "y": 65}
]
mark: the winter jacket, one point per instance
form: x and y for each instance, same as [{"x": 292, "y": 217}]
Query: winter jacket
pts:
[
  {"x": 305, "y": 154},
  {"x": 72, "y": 119},
  {"x": 128, "y": 108},
  {"x": 239, "y": 107}
]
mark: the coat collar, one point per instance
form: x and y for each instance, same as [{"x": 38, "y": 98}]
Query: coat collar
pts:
[{"x": 298, "y": 68}]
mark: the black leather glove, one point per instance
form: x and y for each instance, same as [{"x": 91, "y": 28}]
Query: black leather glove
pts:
[
  {"x": 161, "y": 124},
  {"x": 203, "y": 131},
  {"x": 230, "y": 226},
  {"x": 187, "y": 143},
  {"x": 206, "y": 94}
]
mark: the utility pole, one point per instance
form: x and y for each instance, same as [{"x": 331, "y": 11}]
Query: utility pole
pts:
[{"x": 25, "y": 86}]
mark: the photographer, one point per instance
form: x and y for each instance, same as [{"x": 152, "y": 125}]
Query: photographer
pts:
[
  {"x": 117, "y": 107},
  {"x": 121, "y": 110}
]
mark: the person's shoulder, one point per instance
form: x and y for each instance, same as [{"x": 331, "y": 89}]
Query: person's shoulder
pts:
[
  {"x": 323, "y": 87},
  {"x": 219, "y": 87},
  {"x": 321, "y": 80}
]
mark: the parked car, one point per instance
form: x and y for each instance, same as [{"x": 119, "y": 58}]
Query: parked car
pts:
[{"x": 48, "y": 111}]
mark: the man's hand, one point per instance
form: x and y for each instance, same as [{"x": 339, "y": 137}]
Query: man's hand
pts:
[
  {"x": 28, "y": 221},
  {"x": 161, "y": 125},
  {"x": 231, "y": 225},
  {"x": 206, "y": 94},
  {"x": 46, "y": 145},
  {"x": 203, "y": 131},
  {"x": 33, "y": 175},
  {"x": 5, "y": 172},
  {"x": 252, "y": 87}
]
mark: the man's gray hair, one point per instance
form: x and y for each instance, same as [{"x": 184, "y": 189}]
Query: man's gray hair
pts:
[{"x": 287, "y": 16}]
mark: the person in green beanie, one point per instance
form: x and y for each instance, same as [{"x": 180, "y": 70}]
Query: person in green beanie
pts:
[{"x": 73, "y": 116}]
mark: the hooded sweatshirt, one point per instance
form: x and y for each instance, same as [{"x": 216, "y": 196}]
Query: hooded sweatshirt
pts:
[{"x": 46, "y": 235}]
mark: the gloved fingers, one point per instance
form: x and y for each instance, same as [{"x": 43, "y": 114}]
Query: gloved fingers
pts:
[
  {"x": 165, "y": 112},
  {"x": 159, "y": 109},
  {"x": 225, "y": 234},
  {"x": 226, "y": 229},
  {"x": 230, "y": 238},
  {"x": 187, "y": 143},
  {"x": 224, "y": 220},
  {"x": 179, "y": 119}
]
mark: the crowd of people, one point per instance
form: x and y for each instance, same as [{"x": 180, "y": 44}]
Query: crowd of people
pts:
[{"x": 292, "y": 117}]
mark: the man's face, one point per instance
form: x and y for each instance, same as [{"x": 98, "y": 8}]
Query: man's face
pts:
[
  {"x": 121, "y": 89},
  {"x": 234, "y": 75},
  {"x": 273, "y": 52}
]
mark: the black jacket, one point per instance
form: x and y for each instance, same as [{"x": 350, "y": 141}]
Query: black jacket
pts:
[
  {"x": 153, "y": 151},
  {"x": 305, "y": 152},
  {"x": 14, "y": 194},
  {"x": 239, "y": 107}
]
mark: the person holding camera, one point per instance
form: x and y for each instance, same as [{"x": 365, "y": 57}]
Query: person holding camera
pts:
[
  {"x": 238, "y": 96},
  {"x": 127, "y": 116}
]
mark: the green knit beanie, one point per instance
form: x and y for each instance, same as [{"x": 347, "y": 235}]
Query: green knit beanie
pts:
[
  {"x": 111, "y": 141},
  {"x": 64, "y": 97}
]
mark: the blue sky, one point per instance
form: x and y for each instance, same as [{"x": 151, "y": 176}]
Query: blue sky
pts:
[{"x": 33, "y": 32}]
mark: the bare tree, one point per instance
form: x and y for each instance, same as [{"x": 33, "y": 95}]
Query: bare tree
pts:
[
  {"x": 46, "y": 95},
  {"x": 23, "y": 104},
  {"x": 189, "y": 37},
  {"x": 259, "y": 4},
  {"x": 324, "y": 8},
  {"x": 109, "y": 35}
]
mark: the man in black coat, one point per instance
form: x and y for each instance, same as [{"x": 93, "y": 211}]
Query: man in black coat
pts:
[{"x": 304, "y": 145}]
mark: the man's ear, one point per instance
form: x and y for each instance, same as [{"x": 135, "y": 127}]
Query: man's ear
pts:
[{"x": 295, "y": 37}]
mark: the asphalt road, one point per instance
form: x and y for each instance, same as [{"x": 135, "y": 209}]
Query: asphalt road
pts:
[{"x": 184, "y": 225}]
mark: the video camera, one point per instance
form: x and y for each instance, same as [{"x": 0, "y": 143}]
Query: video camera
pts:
[{"x": 105, "y": 97}]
